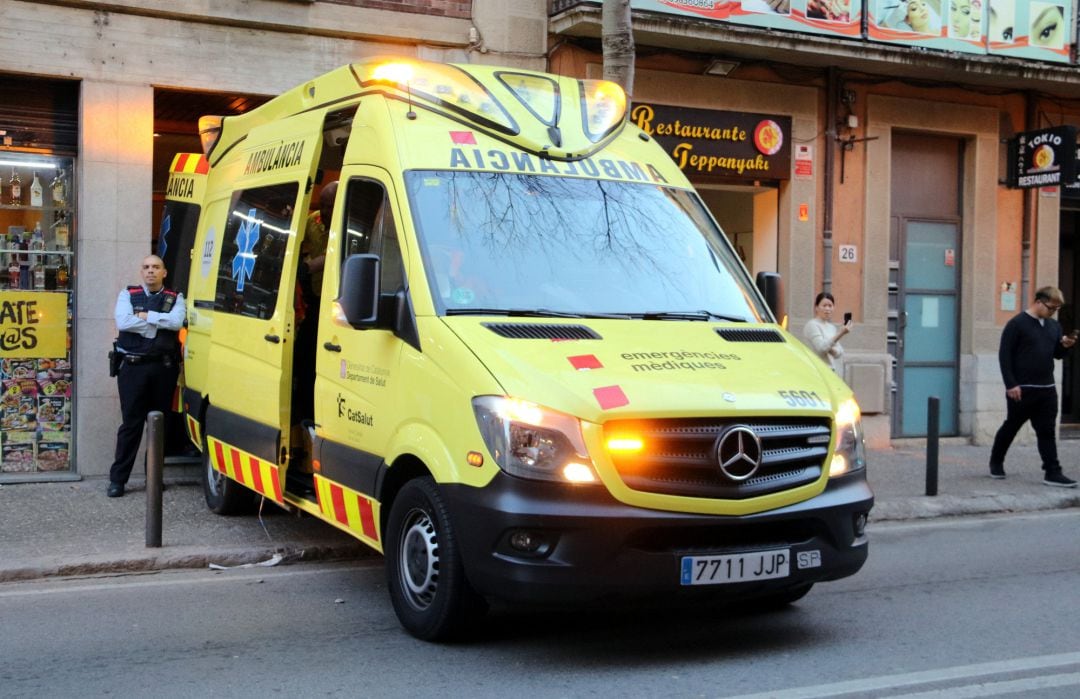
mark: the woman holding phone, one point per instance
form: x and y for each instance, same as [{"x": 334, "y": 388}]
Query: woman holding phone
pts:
[{"x": 821, "y": 334}]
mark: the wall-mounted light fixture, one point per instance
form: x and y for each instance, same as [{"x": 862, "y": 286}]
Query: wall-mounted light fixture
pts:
[{"x": 721, "y": 67}]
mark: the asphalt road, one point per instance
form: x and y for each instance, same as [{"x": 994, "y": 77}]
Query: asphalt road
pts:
[{"x": 948, "y": 608}]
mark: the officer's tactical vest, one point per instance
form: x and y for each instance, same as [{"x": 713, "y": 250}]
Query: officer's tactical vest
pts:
[{"x": 165, "y": 342}]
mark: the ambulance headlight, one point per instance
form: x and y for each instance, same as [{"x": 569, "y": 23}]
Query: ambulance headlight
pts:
[
  {"x": 850, "y": 453},
  {"x": 531, "y": 441}
]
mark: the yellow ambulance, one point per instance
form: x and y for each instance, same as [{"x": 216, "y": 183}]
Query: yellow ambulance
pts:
[{"x": 513, "y": 352}]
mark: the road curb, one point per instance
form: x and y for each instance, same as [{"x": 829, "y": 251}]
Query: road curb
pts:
[
  {"x": 927, "y": 507},
  {"x": 186, "y": 558}
]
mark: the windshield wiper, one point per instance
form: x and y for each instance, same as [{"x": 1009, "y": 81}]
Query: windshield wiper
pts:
[
  {"x": 512, "y": 312},
  {"x": 690, "y": 315}
]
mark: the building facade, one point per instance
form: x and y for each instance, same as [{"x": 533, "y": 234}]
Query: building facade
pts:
[{"x": 881, "y": 178}]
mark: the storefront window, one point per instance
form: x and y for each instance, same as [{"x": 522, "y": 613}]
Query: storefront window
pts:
[{"x": 36, "y": 268}]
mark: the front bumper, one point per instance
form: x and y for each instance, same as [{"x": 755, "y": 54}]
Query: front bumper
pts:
[{"x": 594, "y": 547}]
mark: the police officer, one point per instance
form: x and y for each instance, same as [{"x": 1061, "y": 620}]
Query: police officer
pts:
[{"x": 148, "y": 317}]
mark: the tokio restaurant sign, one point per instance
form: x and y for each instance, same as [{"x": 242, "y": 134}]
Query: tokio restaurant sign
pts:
[
  {"x": 708, "y": 143},
  {"x": 1042, "y": 158}
]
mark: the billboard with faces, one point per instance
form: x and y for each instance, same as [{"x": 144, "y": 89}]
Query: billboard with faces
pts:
[
  {"x": 836, "y": 17},
  {"x": 1030, "y": 29},
  {"x": 1033, "y": 29},
  {"x": 948, "y": 25}
]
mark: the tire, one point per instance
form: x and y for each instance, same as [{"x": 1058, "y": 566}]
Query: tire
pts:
[
  {"x": 779, "y": 600},
  {"x": 224, "y": 496},
  {"x": 430, "y": 593}
]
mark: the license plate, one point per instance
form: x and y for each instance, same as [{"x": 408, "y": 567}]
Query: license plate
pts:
[{"x": 741, "y": 567}]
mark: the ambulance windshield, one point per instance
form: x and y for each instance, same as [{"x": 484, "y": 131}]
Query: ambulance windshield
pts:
[{"x": 495, "y": 242}]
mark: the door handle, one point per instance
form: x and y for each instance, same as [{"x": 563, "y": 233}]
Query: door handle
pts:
[
  {"x": 331, "y": 346},
  {"x": 272, "y": 338}
]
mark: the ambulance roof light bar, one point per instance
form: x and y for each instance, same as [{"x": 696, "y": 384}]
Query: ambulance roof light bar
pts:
[
  {"x": 209, "y": 132},
  {"x": 443, "y": 84},
  {"x": 603, "y": 107},
  {"x": 401, "y": 74}
]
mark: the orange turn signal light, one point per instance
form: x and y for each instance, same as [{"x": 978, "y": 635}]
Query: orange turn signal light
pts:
[
  {"x": 625, "y": 444},
  {"x": 474, "y": 458}
]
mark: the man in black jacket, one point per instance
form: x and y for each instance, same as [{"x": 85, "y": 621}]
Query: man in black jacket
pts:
[
  {"x": 1030, "y": 343},
  {"x": 148, "y": 317}
]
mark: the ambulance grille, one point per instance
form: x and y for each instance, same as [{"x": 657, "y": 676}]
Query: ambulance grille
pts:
[
  {"x": 749, "y": 335},
  {"x": 542, "y": 331},
  {"x": 680, "y": 456}
]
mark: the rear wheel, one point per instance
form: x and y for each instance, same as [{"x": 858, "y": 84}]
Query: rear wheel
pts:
[
  {"x": 224, "y": 496},
  {"x": 427, "y": 583}
]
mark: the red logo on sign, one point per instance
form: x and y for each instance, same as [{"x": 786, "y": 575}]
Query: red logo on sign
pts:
[{"x": 768, "y": 137}]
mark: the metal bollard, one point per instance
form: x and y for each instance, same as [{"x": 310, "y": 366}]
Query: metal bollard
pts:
[
  {"x": 155, "y": 464},
  {"x": 933, "y": 406}
]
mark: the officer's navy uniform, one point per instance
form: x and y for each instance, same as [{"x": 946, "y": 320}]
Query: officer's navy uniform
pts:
[{"x": 150, "y": 366}]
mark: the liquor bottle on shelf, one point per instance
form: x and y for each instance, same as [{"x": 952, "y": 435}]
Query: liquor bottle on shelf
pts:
[
  {"x": 50, "y": 274},
  {"x": 39, "y": 273},
  {"x": 23, "y": 245},
  {"x": 14, "y": 240},
  {"x": 26, "y": 279},
  {"x": 62, "y": 273},
  {"x": 37, "y": 238},
  {"x": 35, "y": 192},
  {"x": 16, "y": 188},
  {"x": 13, "y": 271},
  {"x": 59, "y": 189},
  {"x": 62, "y": 232}
]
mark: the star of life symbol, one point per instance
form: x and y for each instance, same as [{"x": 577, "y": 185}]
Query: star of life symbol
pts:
[
  {"x": 163, "y": 232},
  {"x": 244, "y": 263}
]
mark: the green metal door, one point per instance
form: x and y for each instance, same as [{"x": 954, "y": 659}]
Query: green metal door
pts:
[{"x": 927, "y": 348}]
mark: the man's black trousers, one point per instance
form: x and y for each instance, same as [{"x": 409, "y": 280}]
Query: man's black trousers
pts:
[
  {"x": 143, "y": 388},
  {"x": 1040, "y": 405}
]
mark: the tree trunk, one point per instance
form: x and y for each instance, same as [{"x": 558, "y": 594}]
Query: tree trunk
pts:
[{"x": 618, "y": 44}]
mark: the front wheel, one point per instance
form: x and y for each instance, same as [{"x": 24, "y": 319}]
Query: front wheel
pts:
[
  {"x": 431, "y": 596},
  {"x": 224, "y": 496}
]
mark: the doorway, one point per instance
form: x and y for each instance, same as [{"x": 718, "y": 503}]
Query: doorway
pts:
[
  {"x": 924, "y": 280},
  {"x": 748, "y": 216}
]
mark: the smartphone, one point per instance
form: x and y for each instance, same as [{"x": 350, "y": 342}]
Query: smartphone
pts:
[
  {"x": 847, "y": 319},
  {"x": 1074, "y": 334}
]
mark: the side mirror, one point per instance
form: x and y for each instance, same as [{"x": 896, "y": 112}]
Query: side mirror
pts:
[
  {"x": 359, "y": 295},
  {"x": 771, "y": 286}
]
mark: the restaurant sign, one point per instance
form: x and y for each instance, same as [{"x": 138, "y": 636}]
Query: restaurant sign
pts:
[
  {"x": 1042, "y": 158},
  {"x": 708, "y": 143}
]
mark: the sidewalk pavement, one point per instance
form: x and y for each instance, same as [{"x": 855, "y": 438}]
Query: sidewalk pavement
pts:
[{"x": 71, "y": 528}]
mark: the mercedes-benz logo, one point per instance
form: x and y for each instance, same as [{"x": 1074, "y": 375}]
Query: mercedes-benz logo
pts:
[{"x": 739, "y": 452}]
